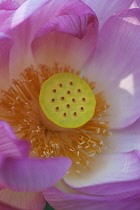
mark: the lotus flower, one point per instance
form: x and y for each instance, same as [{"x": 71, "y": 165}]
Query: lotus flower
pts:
[{"x": 89, "y": 165}]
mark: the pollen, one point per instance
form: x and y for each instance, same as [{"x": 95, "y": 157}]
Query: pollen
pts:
[
  {"x": 79, "y": 115},
  {"x": 72, "y": 111}
]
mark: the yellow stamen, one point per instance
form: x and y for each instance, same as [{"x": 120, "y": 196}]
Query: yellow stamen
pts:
[{"x": 20, "y": 107}]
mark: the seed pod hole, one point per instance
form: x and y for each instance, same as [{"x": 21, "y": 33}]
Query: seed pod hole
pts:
[
  {"x": 79, "y": 90},
  {"x": 60, "y": 85},
  {"x": 62, "y": 98},
  {"x": 68, "y": 106},
  {"x": 53, "y": 100},
  {"x": 57, "y": 108},
  {"x": 73, "y": 100},
  {"x": 82, "y": 108},
  {"x": 83, "y": 99},
  {"x": 75, "y": 114},
  {"x": 68, "y": 92},
  {"x": 65, "y": 114},
  {"x": 71, "y": 83},
  {"x": 54, "y": 90}
]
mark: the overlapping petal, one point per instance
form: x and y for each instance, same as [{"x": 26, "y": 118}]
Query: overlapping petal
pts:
[
  {"x": 105, "y": 9},
  {"x": 124, "y": 140},
  {"x": 22, "y": 200},
  {"x": 115, "y": 66},
  {"x": 8, "y": 5},
  {"x": 32, "y": 174},
  {"x": 73, "y": 18},
  {"x": 9, "y": 144},
  {"x": 61, "y": 201},
  {"x": 6, "y": 44},
  {"x": 110, "y": 174},
  {"x": 66, "y": 33},
  {"x": 7, "y": 8},
  {"x": 7, "y": 207},
  {"x": 59, "y": 45},
  {"x": 21, "y": 1}
]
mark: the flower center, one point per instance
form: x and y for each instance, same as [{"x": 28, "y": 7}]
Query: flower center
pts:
[{"x": 68, "y": 102}]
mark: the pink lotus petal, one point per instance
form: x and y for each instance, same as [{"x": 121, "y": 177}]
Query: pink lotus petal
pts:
[
  {"x": 7, "y": 8},
  {"x": 4, "y": 14},
  {"x": 8, "y": 5},
  {"x": 62, "y": 201},
  {"x": 106, "y": 8},
  {"x": 135, "y": 4},
  {"x": 115, "y": 67},
  {"x": 6, "y": 43},
  {"x": 9, "y": 144},
  {"x": 115, "y": 176},
  {"x": 7, "y": 207},
  {"x": 32, "y": 174},
  {"x": 59, "y": 46},
  {"x": 79, "y": 19},
  {"x": 22, "y": 200},
  {"x": 110, "y": 174},
  {"x": 21, "y": 1},
  {"x": 124, "y": 140}
]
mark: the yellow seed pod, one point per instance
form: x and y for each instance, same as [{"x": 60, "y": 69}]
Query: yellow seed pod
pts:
[{"x": 67, "y": 100}]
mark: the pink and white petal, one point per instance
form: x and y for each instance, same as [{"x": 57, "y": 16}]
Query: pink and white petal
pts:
[
  {"x": 105, "y": 9},
  {"x": 7, "y": 207},
  {"x": 65, "y": 44},
  {"x": 4, "y": 15},
  {"x": 5, "y": 46},
  {"x": 61, "y": 201},
  {"x": 23, "y": 200},
  {"x": 63, "y": 187},
  {"x": 32, "y": 174},
  {"x": 116, "y": 66},
  {"x": 21, "y": 1},
  {"x": 124, "y": 140},
  {"x": 9, "y": 144},
  {"x": 135, "y": 4},
  {"x": 110, "y": 174},
  {"x": 8, "y": 5},
  {"x": 21, "y": 53},
  {"x": 41, "y": 12},
  {"x": 45, "y": 10},
  {"x": 7, "y": 8}
]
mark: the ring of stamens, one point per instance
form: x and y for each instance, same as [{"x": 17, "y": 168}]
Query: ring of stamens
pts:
[{"x": 19, "y": 106}]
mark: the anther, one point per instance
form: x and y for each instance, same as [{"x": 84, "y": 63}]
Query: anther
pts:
[{"x": 44, "y": 124}]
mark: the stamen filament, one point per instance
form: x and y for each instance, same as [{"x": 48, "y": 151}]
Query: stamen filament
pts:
[{"x": 20, "y": 107}]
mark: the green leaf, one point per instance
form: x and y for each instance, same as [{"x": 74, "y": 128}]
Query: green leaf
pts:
[{"x": 48, "y": 207}]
